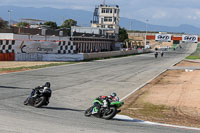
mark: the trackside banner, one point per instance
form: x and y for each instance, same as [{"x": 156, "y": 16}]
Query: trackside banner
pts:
[
  {"x": 190, "y": 38},
  {"x": 163, "y": 37}
]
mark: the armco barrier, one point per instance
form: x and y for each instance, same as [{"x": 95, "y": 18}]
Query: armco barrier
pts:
[{"x": 7, "y": 56}]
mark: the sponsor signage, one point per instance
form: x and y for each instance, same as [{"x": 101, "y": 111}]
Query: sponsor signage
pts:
[
  {"x": 190, "y": 38},
  {"x": 163, "y": 37}
]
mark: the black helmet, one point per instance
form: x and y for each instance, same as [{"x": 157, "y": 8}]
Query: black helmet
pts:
[
  {"x": 113, "y": 94},
  {"x": 47, "y": 84}
]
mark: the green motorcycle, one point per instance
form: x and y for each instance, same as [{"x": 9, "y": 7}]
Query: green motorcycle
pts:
[{"x": 105, "y": 112}]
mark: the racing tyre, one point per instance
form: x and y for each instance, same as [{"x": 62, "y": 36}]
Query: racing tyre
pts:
[
  {"x": 88, "y": 112},
  {"x": 26, "y": 101},
  {"x": 109, "y": 113},
  {"x": 39, "y": 102}
]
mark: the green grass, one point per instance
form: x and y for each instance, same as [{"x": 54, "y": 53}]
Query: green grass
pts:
[
  {"x": 196, "y": 54},
  {"x": 193, "y": 57},
  {"x": 35, "y": 67}
]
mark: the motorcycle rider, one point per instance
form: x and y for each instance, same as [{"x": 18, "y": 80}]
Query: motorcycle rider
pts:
[
  {"x": 161, "y": 52},
  {"x": 106, "y": 100},
  {"x": 37, "y": 90},
  {"x": 156, "y": 52}
]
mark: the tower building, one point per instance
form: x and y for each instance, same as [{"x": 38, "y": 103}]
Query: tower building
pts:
[{"x": 107, "y": 18}]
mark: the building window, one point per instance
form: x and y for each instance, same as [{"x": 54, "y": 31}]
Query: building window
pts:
[
  {"x": 115, "y": 19},
  {"x": 107, "y": 19},
  {"x": 104, "y": 10},
  {"x": 102, "y": 26}
]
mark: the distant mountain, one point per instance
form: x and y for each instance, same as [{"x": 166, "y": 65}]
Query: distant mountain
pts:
[
  {"x": 84, "y": 17},
  {"x": 141, "y": 26}
]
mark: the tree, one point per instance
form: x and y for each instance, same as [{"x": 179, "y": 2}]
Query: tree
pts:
[
  {"x": 3, "y": 24},
  {"x": 22, "y": 24},
  {"x": 123, "y": 35},
  {"x": 51, "y": 24},
  {"x": 68, "y": 23}
]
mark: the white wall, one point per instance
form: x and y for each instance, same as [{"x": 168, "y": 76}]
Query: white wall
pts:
[{"x": 6, "y": 35}]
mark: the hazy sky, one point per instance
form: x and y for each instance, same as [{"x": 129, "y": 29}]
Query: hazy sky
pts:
[{"x": 160, "y": 12}]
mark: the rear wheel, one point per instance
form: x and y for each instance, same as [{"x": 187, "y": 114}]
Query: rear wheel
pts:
[
  {"x": 88, "y": 112},
  {"x": 39, "y": 102},
  {"x": 109, "y": 113}
]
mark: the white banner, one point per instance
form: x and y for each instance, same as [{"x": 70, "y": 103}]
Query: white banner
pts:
[
  {"x": 190, "y": 38},
  {"x": 163, "y": 37}
]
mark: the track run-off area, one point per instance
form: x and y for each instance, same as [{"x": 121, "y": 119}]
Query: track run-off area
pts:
[{"x": 75, "y": 87}]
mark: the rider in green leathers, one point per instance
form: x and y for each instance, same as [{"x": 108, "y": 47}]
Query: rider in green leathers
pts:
[{"x": 104, "y": 102}]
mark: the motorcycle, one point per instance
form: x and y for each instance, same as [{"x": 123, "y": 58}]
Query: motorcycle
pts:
[
  {"x": 162, "y": 54},
  {"x": 39, "y": 98},
  {"x": 156, "y": 54},
  {"x": 105, "y": 112}
]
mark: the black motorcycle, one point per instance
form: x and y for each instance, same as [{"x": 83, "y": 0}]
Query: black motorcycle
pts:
[
  {"x": 156, "y": 54},
  {"x": 39, "y": 98}
]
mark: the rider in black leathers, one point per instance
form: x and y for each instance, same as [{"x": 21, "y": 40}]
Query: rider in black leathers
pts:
[{"x": 36, "y": 91}]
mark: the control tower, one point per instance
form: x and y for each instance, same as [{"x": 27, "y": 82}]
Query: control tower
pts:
[{"x": 107, "y": 18}]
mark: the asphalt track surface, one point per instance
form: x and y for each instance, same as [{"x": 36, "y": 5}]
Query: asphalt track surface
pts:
[{"x": 74, "y": 88}]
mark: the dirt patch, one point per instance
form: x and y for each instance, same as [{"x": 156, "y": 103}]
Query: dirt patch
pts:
[
  {"x": 171, "y": 98},
  {"x": 186, "y": 63}
]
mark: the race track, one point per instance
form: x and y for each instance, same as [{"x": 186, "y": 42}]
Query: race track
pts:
[{"x": 74, "y": 88}]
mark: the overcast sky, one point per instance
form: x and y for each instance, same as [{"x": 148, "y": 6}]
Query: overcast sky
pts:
[{"x": 159, "y": 12}]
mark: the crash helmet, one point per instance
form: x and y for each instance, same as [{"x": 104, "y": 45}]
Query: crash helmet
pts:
[
  {"x": 47, "y": 84},
  {"x": 113, "y": 94}
]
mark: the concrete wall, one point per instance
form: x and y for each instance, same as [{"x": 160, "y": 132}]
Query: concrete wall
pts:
[
  {"x": 74, "y": 57},
  {"x": 88, "y": 56},
  {"x": 48, "y": 57}
]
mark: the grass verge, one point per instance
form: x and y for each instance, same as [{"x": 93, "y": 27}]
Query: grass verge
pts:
[
  {"x": 196, "y": 54},
  {"x": 34, "y": 67}
]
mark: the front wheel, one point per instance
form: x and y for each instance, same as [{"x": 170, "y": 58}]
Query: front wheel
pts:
[
  {"x": 88, "y": 112},
  {"x": 39, "y": 102},
  {"x": 109, "y": 113},
  {"x": 26, "y": 101}
]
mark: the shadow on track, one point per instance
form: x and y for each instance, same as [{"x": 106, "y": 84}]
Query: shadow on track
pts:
[
  {"x": 58, "y": 108},
  {"x": 13, "y": 87}
]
